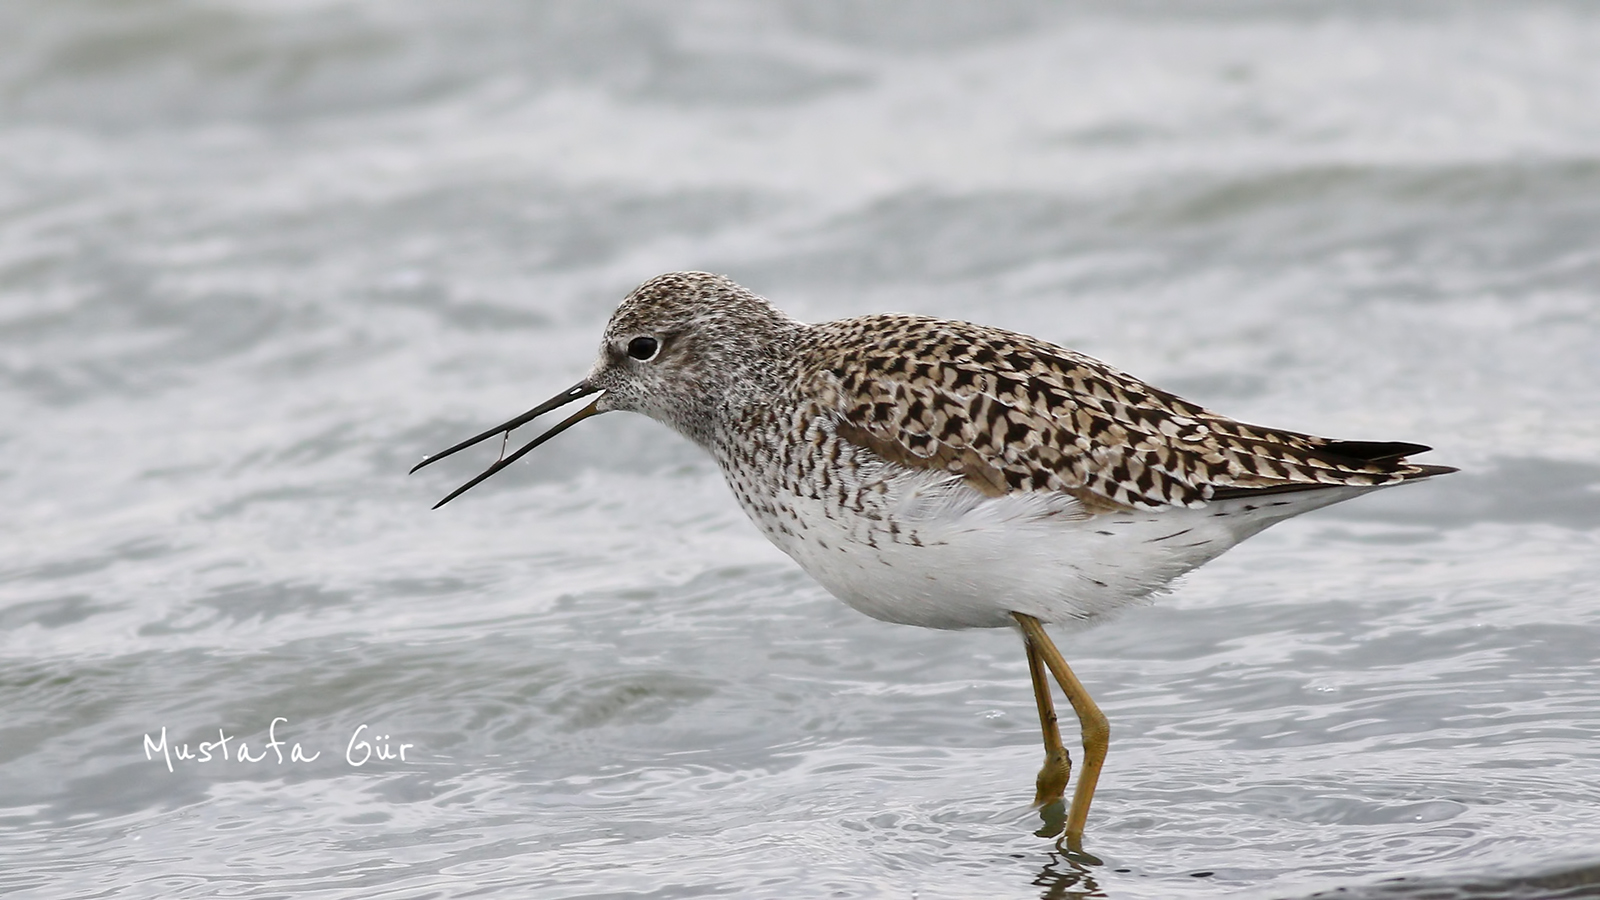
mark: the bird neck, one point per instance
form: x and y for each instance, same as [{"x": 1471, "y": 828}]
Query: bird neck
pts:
[{"x": 751, "y": 386}]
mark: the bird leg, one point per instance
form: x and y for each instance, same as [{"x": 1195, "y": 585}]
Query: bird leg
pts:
[
  {"x": 1096, "y": 731},
  {"x": 1057, "y": 761}
]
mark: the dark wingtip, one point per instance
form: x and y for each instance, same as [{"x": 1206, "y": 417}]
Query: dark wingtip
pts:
[
  {"x": 1374, "y": 451},
  {"x": 1388, "y": 453}
]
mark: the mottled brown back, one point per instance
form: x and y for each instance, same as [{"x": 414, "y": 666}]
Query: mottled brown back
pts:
[{"x": 1013, "y": 413}]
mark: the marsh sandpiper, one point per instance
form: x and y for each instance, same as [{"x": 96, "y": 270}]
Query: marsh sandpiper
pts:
[{"x": 951, "y": 475}]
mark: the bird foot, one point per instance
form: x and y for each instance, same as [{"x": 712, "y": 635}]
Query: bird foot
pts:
[
  {"x": 1053, "y": 815},
  {"x": 1053, "y": 778}
]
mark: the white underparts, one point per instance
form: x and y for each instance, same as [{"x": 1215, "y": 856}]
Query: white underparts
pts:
[{"x": 933, "y": 552}]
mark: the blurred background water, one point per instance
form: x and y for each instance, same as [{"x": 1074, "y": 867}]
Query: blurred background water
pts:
[{"x": 257, "y": 257}]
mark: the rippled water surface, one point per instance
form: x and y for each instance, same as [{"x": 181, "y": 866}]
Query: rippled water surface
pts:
[{"x": 257, "y": 258}]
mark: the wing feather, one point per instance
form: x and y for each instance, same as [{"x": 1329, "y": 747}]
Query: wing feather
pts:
[{"x": 1012, "y": 413}]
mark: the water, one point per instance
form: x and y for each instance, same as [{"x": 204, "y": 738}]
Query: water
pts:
[{"x": 257, "y": 258}]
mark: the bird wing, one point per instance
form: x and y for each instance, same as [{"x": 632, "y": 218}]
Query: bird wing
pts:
[{"x": 1012, "y": 413}]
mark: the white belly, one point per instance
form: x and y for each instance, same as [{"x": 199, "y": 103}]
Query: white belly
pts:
[{"x": 931, "y": 551}]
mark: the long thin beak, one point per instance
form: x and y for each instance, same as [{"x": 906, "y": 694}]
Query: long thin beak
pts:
[{"x": 581, "y": 389}]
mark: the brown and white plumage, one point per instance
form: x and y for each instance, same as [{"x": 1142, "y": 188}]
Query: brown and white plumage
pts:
[
  {"x": 951, "y": 475},
  {"x": 1013, "y": 413}
]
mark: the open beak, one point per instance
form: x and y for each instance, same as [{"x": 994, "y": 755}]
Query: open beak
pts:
[{"x": 581, "y": 389}]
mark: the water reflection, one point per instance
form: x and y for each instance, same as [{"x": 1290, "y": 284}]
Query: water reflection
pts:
[{"x": 1069, "y": 876}]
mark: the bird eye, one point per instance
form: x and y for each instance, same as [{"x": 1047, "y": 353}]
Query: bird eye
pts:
[{"x": 643, "y": 348}]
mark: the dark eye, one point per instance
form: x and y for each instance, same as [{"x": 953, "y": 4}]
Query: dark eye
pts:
[{"x": 643, "y": 347}]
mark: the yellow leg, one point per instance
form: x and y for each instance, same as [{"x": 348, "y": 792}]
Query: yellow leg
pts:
[
  {"x": 1057, "y": 769},
  {"x": 1096, "y": 731}
]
